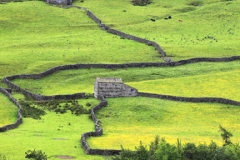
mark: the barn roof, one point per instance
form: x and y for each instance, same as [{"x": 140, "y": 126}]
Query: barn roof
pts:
[{"x": 116, "y": 80}]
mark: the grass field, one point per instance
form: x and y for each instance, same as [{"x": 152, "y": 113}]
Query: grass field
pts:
[
  {"x": 192, "y": 80},
  {"x": 126, "y": 121},
  {"x": 41, "y": 36},
  {"x": 8, "y": 111},
  {"x": 222, "y": 85},
  {"x": 211, "y": 30},
  {"x": 39, "y": 134},
  {"x": 36, "y": 36}
]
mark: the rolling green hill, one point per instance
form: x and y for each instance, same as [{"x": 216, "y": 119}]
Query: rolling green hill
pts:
[
  {"x": 209, "y": 30},
  {"x": 36, "y": 36}
]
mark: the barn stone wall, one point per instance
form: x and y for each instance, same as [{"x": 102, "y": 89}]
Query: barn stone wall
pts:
[
  {"x": 68, "y": 2},
  {"x": 95, "y": 89},
  {"x": 111, "y": 89},
  {"x": 129, "y": 91}
]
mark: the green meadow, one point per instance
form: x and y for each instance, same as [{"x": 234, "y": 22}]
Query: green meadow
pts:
[
  {"x": 209, "y": 30},
  {"x": 52, "y": 134},
  {"x": 36, "y": 36},
  {"x": 8, "y": 111},
  {"x": 126, "y": 121},
  {"x": 222, "y": 85},
  {"x": 193, "y": 80}
]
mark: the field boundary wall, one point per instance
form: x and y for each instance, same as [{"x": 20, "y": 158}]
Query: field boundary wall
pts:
[
  {"x": 19, "y": 116},
  {"x": 42, "y": 97},
  {"x": 128, "y": 36},
  {"x": 90, "y": 14},
  {"x": 7, "y": 80},
  {"x": 98, "y": 132},
  {"x": 190, "y": 99}
]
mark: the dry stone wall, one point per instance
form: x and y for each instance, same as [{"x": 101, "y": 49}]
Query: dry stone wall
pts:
[
  {"x": 8, "y": 79},
  {"x": 90, "y": 14},
  {"x": 103, "y": 103},
  {"x": 115, "y": 66},
  {"x": 12, "y": 85},
  {"x": 9, "y": 90},
  {"x": 68, "y": 2},
  {"x": 42, "y": 97},
  {"x": 190, "y": 99},
  {"x": 19, "y": 116},
  {"x": 115, "y": 90},
  {"x": 98, "y": 132},
  {"x": 128, "y": 36}
]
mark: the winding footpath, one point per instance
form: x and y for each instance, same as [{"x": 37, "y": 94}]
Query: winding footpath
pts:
[{"x": 98, "y": 130}]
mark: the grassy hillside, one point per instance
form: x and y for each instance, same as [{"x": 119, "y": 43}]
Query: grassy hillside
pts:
[
  {"x": 192, "y": 80},
  {"x": 8, "y": 111},
  {"x": 209, "y": 30},
  {"x": 126, "y": 121},
  {"x": 35, "y": 37}
]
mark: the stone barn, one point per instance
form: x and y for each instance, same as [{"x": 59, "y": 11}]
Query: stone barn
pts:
[
  {"x": 113, "y": 87},
  {"x": 68, "y": 2}
]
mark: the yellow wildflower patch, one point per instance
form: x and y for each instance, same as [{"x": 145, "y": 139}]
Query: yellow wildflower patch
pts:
[
  {"x": 222, "y": 85},
  {"x": 126, "y": 121}
]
